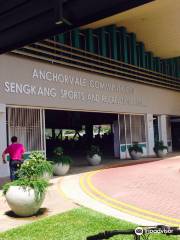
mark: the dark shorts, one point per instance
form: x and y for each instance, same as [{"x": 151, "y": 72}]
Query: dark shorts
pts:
[
  {"x": 14, "y": 166},
  {"x": 15, "y": 162}
]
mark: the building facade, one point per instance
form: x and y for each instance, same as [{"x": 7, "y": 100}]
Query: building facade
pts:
[{"x": 94, "y": 71}]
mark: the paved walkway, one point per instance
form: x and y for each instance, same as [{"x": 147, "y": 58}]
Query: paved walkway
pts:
[
  {"x": 147, "y": 193},
  {"x": 55, "y": 202},
  {"x": 153, "y": 186}
]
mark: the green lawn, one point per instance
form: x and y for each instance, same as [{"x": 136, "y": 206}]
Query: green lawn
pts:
[{"x": 73, "y": 225}]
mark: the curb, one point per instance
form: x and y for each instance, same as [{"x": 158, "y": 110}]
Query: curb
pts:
[{"x": 87, "y": 186}]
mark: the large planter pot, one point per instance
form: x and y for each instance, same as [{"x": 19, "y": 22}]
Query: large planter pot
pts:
[
  {"x": 135, "y": 155},
  {"x": 22, "y": 201},
  {"x": 94, "y": 160},
  {"x": 161, "y": 153},
  {"x": 61, "y": 169}
]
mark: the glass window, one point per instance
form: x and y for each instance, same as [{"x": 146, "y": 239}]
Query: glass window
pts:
[
  {"x": 68, "y": 38},
  {"x": 164, "y": 68},
  {"x": 82, "y": 40},
  {"x": 138, "y": 55},
  {"x": 146, "y": 61},
  {"x": 128, "y": 48},
  {"x": 108, "y": 44},
  {"x": 119, "y": 54},
  {"x": 161, "y": 67},
  {"x": 155, "y": 65},
  {"x": 96, "y": 44}
]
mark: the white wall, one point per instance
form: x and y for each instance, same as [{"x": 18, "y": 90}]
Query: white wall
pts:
[
  {"x": 4, "y": 168},
  {"x": 79, "y": 90},
  {"x": 163, "y": 128},
  {"x": 150, "y": 134}
]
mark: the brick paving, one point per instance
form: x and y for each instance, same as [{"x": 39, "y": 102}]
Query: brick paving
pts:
[
  {"x": 153, "y": 186},
  {"x": 3, "y": 181},
  {"x": 149, "y": 184}
]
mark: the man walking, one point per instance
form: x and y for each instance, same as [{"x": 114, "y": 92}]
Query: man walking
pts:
[{"x": 15, "y": 151}]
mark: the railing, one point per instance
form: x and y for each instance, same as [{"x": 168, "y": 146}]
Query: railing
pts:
[{"x": 57, "y": 53}]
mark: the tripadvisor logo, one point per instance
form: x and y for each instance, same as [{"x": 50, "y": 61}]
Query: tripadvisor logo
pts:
[{"x": 140, "y": 231}]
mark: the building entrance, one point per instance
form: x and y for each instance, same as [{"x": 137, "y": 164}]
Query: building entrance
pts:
[
  {"x": 77, "y": 131},
  {"x": 44, "y": 130}
]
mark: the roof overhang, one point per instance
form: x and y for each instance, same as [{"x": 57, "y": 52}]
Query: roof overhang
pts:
[
  {"x": 27, "y": 21},
  {"x": 156, "y": 24}
]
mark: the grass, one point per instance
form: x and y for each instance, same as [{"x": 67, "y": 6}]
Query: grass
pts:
[{"x": 73, "y": 225}]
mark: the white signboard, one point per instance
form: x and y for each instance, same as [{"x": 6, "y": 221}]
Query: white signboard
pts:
[{"x": 33, "y": 83}]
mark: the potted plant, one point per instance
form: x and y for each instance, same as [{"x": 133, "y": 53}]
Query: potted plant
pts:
[
  {"x": 36, "y": 166},
  {"x": 61, "y": 162},
  {"x": 94, "y": 155},
  {"x": 25, "y": 196},
  {"x": 160, "y": 149},
  {"x": 135, "y": 151}
]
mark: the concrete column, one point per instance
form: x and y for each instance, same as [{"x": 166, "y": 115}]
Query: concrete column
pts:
[
  {"x": 150, "y": 134},
  {"x": 169, "y": 136},
  {"x": 162, "y": 122},
  {"x": 4, "y": 168},
  {"x": 116, "y": 139}
]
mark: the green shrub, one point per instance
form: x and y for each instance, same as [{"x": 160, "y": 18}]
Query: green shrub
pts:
[
  {"x": 35, "y": 166},
  {"x": 59, "y": 157},
  {"x": 159, "y": 145},
  {"x": 59, "y": 151},
  {"x": 39, "y": 186},
  {"x": 62, "y": 159},
  {"x": 94, "y": 150},
  {"x": 36, "y": 155},
  {"x": 135, "y": 147}
]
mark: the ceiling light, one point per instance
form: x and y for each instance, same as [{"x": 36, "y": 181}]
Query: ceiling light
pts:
[{"x": 59, "y": 22}]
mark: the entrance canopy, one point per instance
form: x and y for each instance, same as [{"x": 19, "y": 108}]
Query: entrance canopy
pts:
[{"x": 69, "y": 119}]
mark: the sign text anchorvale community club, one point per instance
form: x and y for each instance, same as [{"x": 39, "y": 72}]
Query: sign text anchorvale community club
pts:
[{"x": 68, "y": 79}]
